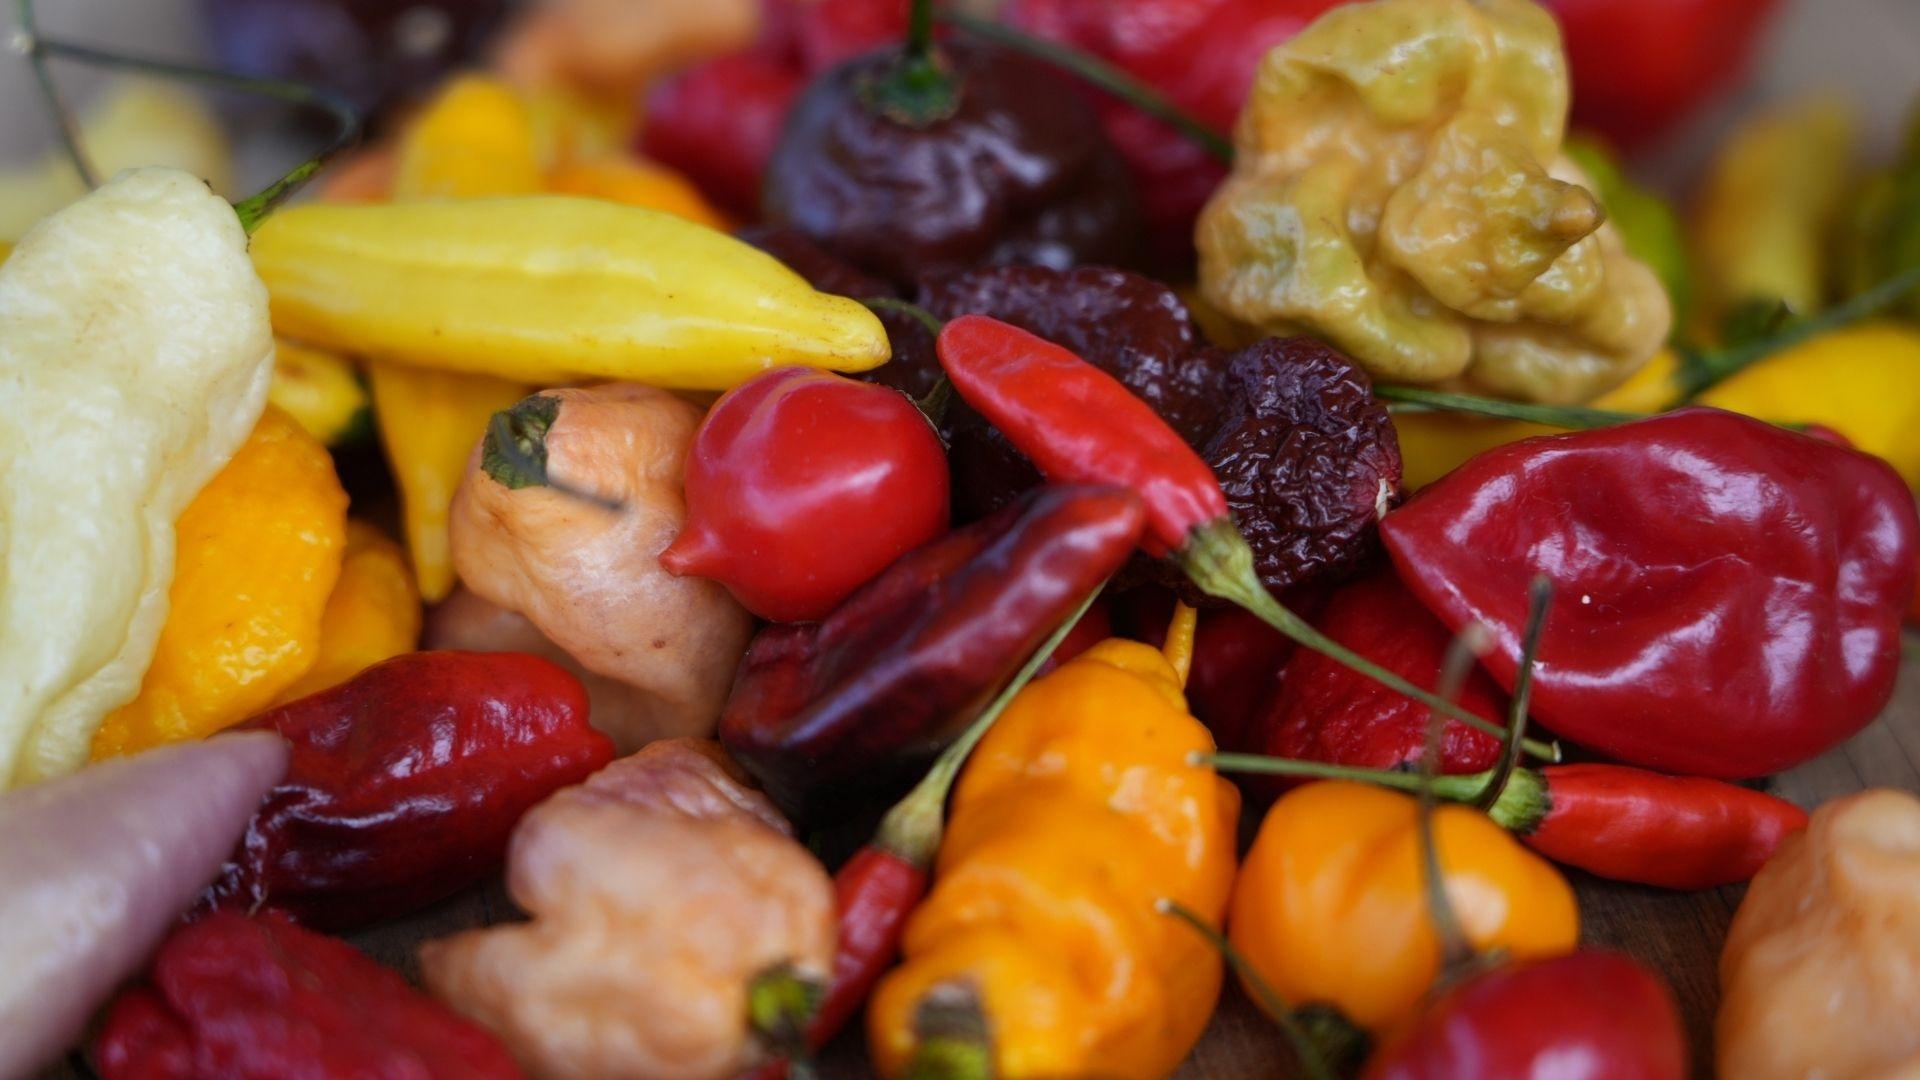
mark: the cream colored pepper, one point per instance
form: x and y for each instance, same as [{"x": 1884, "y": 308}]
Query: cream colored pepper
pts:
[
  {"x": 1821, "y": 972},
  {"x": 1399, "y": 190},
  {"x": 135, "y": 351}
]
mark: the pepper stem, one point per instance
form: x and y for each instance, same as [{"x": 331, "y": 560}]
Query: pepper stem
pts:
[
  {"x": 918, "y": 89},
  {"x": 1573, "y": 417},
  {"x": 1319, "y": 1051},
  {"x": 926, "y": 318},
  {"x": 953, "y": 1041},
  {"x": 912, "y": 829},
  {"x": 780, "y": 1005},
  {"x": 1710, "y": 366},
  {"x": 251, "y": 210},
  {"x": 1218, "y": 560},
  {"x": 28, "y": 40},
  {"x": 1179, "y": 647},
  {"x": 514, "y": 452},
  {"x": 1539, "y": 596},
  {"x": 920, "y": 29},
  {"x": 1455, "y": 950},
  {"x": 1099, "y": 74}
]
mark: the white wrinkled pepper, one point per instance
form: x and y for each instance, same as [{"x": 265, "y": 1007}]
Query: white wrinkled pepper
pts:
[{"x": 135, "y": 354}]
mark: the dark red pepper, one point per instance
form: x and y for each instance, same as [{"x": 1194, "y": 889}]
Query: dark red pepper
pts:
[
  {"x": 802, "y": 485},
  {"x": 255, "y": 997},
  {"x": 848, "y": 712},
  {"x": 717, "y": 123},
  {"x": 404, "y": 783},
  {"x": 1591, "y": 1013},
  {"x": 1693, "y": 542}
]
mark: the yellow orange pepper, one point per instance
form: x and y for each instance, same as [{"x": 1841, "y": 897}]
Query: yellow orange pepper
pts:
[
  {"x": 475, "y": 138},
  {"x": 1077, "y": 813},
  {"x": 1331, "y": 906},
  {"x": 636, "y": 182},
  {"x": 372, "y": 615},
  {"x": 259, "y": 552},
  {"x": 321, "y": 390}
]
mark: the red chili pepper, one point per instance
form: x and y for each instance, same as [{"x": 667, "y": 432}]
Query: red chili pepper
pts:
[
  {"x": 802, "y": 485},
  {"x": 718, "y": 122},
  {"x": 1078, "y": 424},
  {"x": 404, "y": 783},
  {"x": 841, "y": 714},
  {"x": 1590, "y": 1013},
  {"x": 255, "y": 997},
  {"x": 1695, "y": 541}
]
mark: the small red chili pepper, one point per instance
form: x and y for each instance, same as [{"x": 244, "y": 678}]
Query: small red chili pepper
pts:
[
  {"x": 1694, "y": 541},
  {"x": 802, "y": 485},
  {"x": 1078, "y": 424},
  {"x": 1590, "y": 1013},
  {"x": 255, "y": 997},
  {"x": 405, "y": 782}
]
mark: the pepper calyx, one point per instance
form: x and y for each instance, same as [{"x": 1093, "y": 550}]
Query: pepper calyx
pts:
[
  {"x": 1524, "y": 802},
  {"x": 954, "y": 1043},
  {"x": 514, "y": 453},
  {"x": 916, "y": 90},
  {"x": 781, "y": 1004}
]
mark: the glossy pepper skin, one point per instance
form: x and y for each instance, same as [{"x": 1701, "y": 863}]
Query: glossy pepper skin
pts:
[
  {"x": 1078, "y": 811},
  {"x": 1693, "y": 541},
  {"x": 1588, "y": 1014},
  {"x": 1016, "y": 171},
  {"x": 405, "y": 782},
  {"x": 848, "y": 711},
  {"x": 718, "y": 122},
  {"x": 255, "y": 997},
  {"x": 802, "y": 485},
  {"x": 1331, "y": 904}
]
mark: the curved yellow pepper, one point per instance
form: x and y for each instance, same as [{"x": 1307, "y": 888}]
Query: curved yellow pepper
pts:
[
  {"x": 320, "y": 390},
  {"x": 1076, "y": 814},
  {"x": 259, "y": 552},
  {"x": 372, "y": 615},
  {"x": 1331, "y": 906},
  {"x": 1399, "y": 189}
]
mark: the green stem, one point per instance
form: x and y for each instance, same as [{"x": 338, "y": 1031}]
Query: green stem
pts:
[
  {"x": 1522, "y": 804},
  {"x": 1218, "y": 560},
  {"x": 1455, "y": 949},
  {"x": 35, "y": 47},
  {"x": 251, "y": 210},
  {"x": 953, "y": 1042},
  {"x": 920, "y": 29},
  {"x": 1312, "y": 1059},
  {"x": 1539, "y": 596},
  {"x": 1097, "y": 73},
  {"x": 781, "y": 1004},
  {"x": 1711, "y": 366},
  {"x": 926, "y": 318},
  {"x": 1561, "y": 416},
  {"x": 912, "y": 829}
]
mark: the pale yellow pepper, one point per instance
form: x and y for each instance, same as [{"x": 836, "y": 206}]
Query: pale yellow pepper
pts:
[
  {"x": 373, "y": 614},
  {"x": 321, "y": 390},
  {"x": 259, "y": 553}
]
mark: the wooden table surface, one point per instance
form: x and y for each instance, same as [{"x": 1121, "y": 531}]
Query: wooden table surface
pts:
[{"x": 1677, "y": 934}]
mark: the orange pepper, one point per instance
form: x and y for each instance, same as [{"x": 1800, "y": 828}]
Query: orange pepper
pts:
[
  {"x": 372, "y": 615},
  {"x": 1076, "y": 814},
  {"x": 636, "y": 182},
  {"x": 1331, "y": 906}
]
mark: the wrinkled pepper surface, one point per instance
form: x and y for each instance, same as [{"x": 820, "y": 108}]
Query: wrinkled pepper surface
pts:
[
  {"x": 134, "y": 337},
  {"x": 1331, "y": 904},
  {"x": 372, "y": 615},
  {"x": 405, "y": 782},
  {"x": 259, "y": 555},
  {"x": 666, "y": 898},
  {"x": 1399, "y": 191},
  {"x": 1693, "y": 541},
  {"x": 255, "y": 997},
  {"x": 1820, "y": 975},
  {"x": 847, "y": 712},
  {"x": 1077, "y": 814},
  {"x": 547, "y": 289}
]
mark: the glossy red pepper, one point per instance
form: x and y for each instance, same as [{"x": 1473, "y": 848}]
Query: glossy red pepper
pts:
[
  {"x": 1589, "y": 1014},
  {"x": 848, "y": 712},
  {"x": 802, "y": 485},
  {"x": 255, "y": 997},
  {"x": 404, "y": 783},
  {"x": 718, "y": 122},
  {"x": 1642, "y": 66},
  {"x": 1695, "y": 541}
]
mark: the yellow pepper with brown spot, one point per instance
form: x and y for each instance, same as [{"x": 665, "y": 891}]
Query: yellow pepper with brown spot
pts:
[
  {"x": 320, "y": 390},
  {"x": 372, "y": 615},
  {"x": 258, "y": 554},
  {"x": 1078, "y": 812}
]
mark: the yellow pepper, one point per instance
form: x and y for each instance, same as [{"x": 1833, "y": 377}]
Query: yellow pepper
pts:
[
  {"x": 259, "y": 552},
  {"x": 320, "y": 390},
  {"x": 1076, "y": 814},
  {"x": 1399, "y": 189},
  {"x": 1331, "y": 907},
  {"x": 548, "y": 290},
  {"x": 475, "y": 138},
  {"x": 1765, "y": 211},
  {"x": 372, "y": 615}
]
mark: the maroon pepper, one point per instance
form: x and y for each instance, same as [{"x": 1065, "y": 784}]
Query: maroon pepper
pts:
[
  {"x": 849, "y": 711},
  {"x": 404, "y": 783},
  {"x": 255, "y": 997}
]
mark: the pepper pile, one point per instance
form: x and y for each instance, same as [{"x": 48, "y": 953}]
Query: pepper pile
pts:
[{"x": 909, "y": 602}]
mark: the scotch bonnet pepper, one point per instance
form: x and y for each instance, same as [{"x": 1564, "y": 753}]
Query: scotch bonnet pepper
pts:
[
  {"x": 850, "y": 710},
  {"x": 405, "y": 782},
  {"x": 1694, "y": 541}
]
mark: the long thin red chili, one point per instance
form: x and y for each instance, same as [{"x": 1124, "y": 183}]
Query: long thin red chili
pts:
[{"x": 1080, "y": 425}]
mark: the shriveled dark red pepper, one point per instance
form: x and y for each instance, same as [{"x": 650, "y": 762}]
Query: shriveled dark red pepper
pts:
[
  {"x": 1694, "y": 542},
  {"x": 255, "y": 997},
  {"x": 849, "y": 711},
  {"x": 405, "y": 782},
  {"x": 1590, "y": 1013}
]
